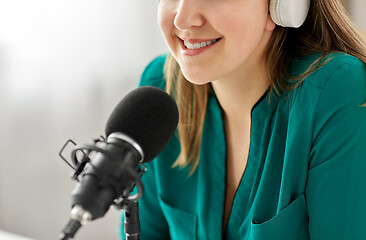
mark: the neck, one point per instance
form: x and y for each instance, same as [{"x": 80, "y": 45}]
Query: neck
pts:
[
  {"x": 240, "y": 90},
  {"x": 239, "y": 93}
]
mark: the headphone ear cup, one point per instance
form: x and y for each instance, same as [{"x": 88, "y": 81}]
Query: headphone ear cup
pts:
[
  {"x": 274, "y": 11},
  {"x": 289, "y": 13}
]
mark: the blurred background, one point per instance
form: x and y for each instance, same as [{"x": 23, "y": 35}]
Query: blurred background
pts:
[{"x": 64, "y": 65}]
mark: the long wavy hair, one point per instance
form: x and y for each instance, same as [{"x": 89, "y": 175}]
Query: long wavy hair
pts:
[{"x": 327, "y": 29}]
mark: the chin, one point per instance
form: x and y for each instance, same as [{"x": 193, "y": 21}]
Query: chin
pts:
[
  {"x": 198, "y": 76},
  {"x": 197, "y": 79}
]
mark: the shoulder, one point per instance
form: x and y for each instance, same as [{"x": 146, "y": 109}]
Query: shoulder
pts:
[
  {"x": 336, "y": 68},
  {"x": 339, "y": 131},
  {"x": 341, "y": 79},
  {"x": 153, "y": 75}
]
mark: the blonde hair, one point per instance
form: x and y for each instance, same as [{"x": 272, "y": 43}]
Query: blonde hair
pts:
[{"x": 327, "y": 29}]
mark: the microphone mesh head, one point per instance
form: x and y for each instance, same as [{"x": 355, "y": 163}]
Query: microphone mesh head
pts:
[{"x": 149, "y": 116}]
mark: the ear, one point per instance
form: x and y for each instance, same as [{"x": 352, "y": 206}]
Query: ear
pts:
[{"x": 270, "y": 25}]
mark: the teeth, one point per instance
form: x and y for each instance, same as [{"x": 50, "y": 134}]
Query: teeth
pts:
[{"x": 192, "y": 46}]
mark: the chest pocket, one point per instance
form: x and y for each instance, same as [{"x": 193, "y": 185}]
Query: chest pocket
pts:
[
  {"x": 290, "y": 224},
  {"x": 182, "y": 224}
]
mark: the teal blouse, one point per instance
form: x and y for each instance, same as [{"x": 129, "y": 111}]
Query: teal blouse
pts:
[{"x": 306, "y": 172}]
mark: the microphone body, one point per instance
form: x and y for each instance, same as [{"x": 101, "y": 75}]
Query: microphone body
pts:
[
  {"x": 106, "y": 178},
  {"x": 138, "y": 129}
]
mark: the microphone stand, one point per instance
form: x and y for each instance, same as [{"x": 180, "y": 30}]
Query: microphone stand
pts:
[{"x": 132, "y": 223}]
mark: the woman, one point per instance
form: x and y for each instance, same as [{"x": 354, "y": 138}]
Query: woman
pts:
[{"x": 271, "y": 142}]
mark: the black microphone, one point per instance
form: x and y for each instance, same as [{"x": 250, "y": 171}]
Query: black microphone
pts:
[{"x": 138, "y": 129}]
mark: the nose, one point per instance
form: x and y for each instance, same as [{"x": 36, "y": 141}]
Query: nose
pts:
[{"x": 189, "y": 15}]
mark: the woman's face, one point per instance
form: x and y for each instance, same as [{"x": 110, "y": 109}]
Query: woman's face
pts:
[{"x": 214, "y": 39}]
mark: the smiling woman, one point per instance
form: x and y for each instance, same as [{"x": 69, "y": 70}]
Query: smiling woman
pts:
[
  {"x": 238, "y": 25},
  {"x": 271, "y": 139}
]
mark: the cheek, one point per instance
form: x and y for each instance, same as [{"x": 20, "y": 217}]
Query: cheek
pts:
[
  {"x": 242, "y": 17},
  {"x": 242, "y": 29}
]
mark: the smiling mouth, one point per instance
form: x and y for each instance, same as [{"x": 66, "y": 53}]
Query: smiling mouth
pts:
[{"x": 198, "y": 45}]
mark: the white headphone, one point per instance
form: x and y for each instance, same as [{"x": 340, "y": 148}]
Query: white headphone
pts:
[{"x": 289, "y": 13}]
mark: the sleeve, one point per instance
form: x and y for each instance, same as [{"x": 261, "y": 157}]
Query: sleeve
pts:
[
  {"x": 153, "y": 75},
  {"x": 153, "y": 225},
  {"x": 336, "y": 186}
]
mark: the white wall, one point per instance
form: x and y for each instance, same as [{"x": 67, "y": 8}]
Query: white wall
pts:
[
  {"x": 64, "y": 65},
  {"x": 358, "y": 10}
]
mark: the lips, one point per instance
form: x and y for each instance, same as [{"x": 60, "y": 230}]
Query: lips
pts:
[
  {"x": 197, "y": 43},
  {"x": 192, "y": 47},
  {"x": 197, "y": 40}
]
